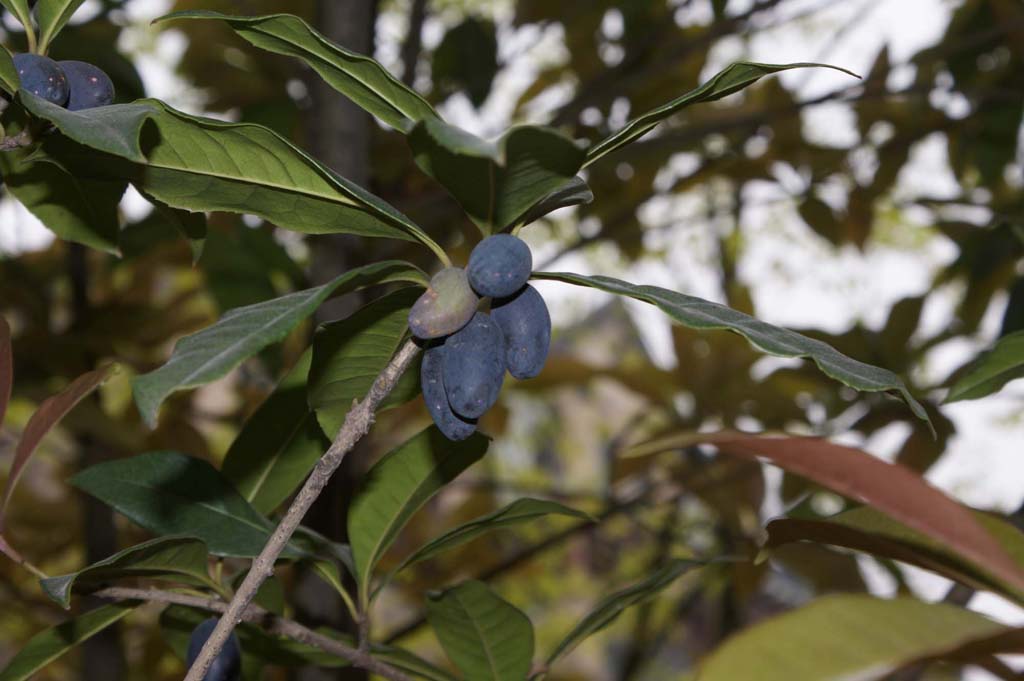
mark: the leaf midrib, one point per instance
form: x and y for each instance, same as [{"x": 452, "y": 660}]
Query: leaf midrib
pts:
[{"x": 480, "y": 635}]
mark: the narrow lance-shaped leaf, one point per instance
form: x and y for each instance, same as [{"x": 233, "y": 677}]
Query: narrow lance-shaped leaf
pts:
[
  {"x": 357, "y": 76},
  {"x": 278, "y": 445},
  {"x": 170, "y": 493},
  {"x": 573, "y": 193},
  {"x": 869, "y": 529},
  {"x": 697, "y": 313},
  {"x": 851, "y": 636},
  {"x": 242, "y": 332},
  {"x": 891, "y": 488},
  {"x": 48, "y": 645},
  {"x": 487, "y": 638},
  {"x": 991, "y": 370},
  {"x": 614, "y": 605},
  {"x": 398, "y": 486},
  {"x": 52, "y": 16},
  {"x": 21, "y": 10},
  {"x": 349, "y": 354},
  {"x": 731, "y": 79},
  {"x": 9, "y": 79},
  {"x": 6, "y": 369},
  {"x": 48, "y": 415},
  {"x": 180, "y": 558}
]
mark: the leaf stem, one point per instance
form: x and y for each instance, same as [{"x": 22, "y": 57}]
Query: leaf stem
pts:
[
  {"x": 438, "y": 251},
  {"x": 357, "y": 425},
  {"x": 270, "y": 622}
]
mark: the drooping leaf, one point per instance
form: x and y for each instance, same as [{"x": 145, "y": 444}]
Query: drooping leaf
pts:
[
  {"x": 610, "y": 607},
  {"x": 519, "y": 511},
  {"x": 52, "y": 16},
  {"x": 46, "y": 417},
  {"x": 6, "y": 368},
  {"x": 78, "y": 208},
  {"x": 114, "y": 129},
  {"x": 846, "y": 637},
  {"x": 179, "y": 558},
  {"x": 349, "y": 354},
  {"x": 9, "y": 79},
  {"x": 357, "y": 76},
  {"x": 868, "y": 529},
  {"x": 573, "y": 193},
  {"x": 21, "y": 10},
  {"x": 398, "y": 486},
  {"x": 991, "y": 370},
  {"x": 697, "y": 313},
  {"x": 891, "y": 488},
  {"x": 487, "y": 638},
  {"x": 495, "y": 182},
  {"x": 278, "y": 445},
  {"x": 170, "y": 493},
  {"x": 199, "y": 164},
  {"x": 190, "y": 225},
  {"x": 242, "y": 332},
  {"x": 731, "y": 79},
  {"x": 48, "y": 645},
  {"x": 467, "y": 60}
]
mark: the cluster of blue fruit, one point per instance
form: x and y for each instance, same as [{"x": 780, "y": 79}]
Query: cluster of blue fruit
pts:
[
  {"x": 467, "y": 351},
  {"x": 75, "y": 85},
  {"x": 227, "y": 666}
]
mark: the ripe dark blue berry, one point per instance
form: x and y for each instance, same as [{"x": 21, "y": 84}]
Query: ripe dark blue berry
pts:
[
  {"x": 453, "y": 426},
  {"x": 89, "y": 86},
  {"x": 445, "y": 307},
  {"x": 500, "y": 265},
  {"x": 227, "y": 666},
  {"x": 473, "y": 367},
  {"x": 526, "y": 325},
  {"x": 43, "y": 77}
]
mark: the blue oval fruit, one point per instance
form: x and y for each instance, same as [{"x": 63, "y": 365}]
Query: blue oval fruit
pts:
[
  {"x": 445, "y": 307},
  {"x": 88, "y": 86},
  {"x": 453, "y": 426},
  {"x": 500, "y": 265},
  {"x": 473, "y": 367},
  {"x": 227, "y": 666},
  {"x": 43, "y": 77},
  {"x": 526, "y": 325}
]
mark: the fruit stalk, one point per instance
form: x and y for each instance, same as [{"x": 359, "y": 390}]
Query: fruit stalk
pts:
[
  {"x": 268, "y": 621},
  {"x": 357, "y": 425}
]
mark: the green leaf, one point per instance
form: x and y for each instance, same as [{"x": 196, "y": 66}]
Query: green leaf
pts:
[
  {"x": 48, "y": 645},
  {"x": 21, "y": 10},
  {"x": 114, "y": 129},
  {"x": 467, "y": 59},
  {"x": 181, "y": 558},
  {"x": 869, "y": 529},
  {"x": 349, "y": 354},
  {"x": 76, "y": 208},
  {"x": 398, "y": 486},
  {"x": 610, "y": 607},
  {"x": 52, "y": 16},
  {"x": 495, "y": 183},
  {"x": 991, "y": 370},
  {"x": 242, "y": 332},
  {"x": 846, "y": 637},
  {"x": 10, "y": 82},
  {"x": 519, "y": 511},
  {"x": 697, "y": 313},
  {"x": 170, "y": 493},
  {"x": 731, "y": 79},
  {"x": 278, "y": 445},
  {"x": 487, "y": 638},
  {"x": 199, "y": 164},
  {"x": 573, "y": 193},
  {"x": 357, "y": 76}
]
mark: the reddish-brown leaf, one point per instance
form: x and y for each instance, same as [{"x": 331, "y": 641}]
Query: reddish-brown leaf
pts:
[
  {"x": 49, "y": 414},
  {"x": 891, "y": 488},
  {"x": 6, "y": 368}
]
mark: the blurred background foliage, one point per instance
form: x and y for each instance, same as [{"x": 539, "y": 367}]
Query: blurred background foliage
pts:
[{"x": 569, "y": 434}]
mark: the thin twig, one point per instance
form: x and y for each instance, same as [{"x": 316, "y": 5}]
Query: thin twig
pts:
[
  {"x": 357, "y": 425},
  {"x": 268, "y": 621}
]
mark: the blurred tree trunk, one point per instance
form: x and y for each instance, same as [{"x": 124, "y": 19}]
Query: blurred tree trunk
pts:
[{"x": 340, "y": 135}]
